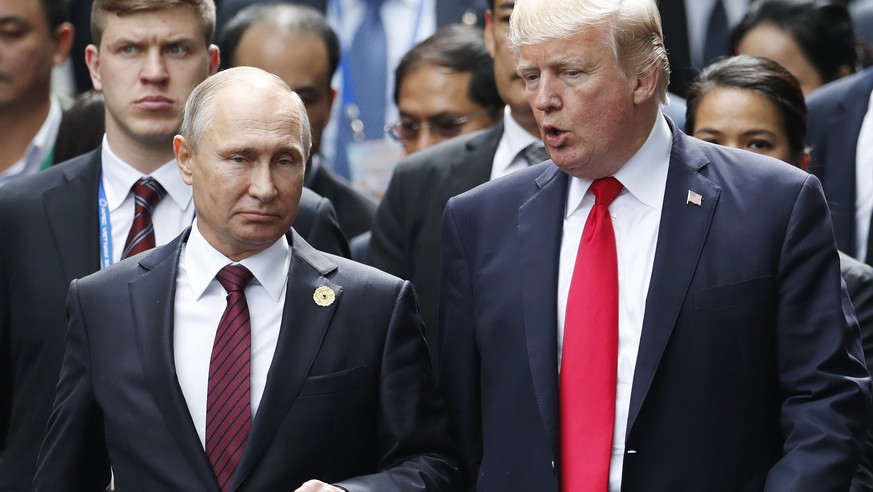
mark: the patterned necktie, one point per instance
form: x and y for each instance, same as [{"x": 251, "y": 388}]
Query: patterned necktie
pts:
[
  {"x": 228, "y": 401},
  {"x": 590, "y": 351},
  {"x": 146, "y": 194},
  {"x": 368, "y": 73},
  {"x": 534, "y": 154}
]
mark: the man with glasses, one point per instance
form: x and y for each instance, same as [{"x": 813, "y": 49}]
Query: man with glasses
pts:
[
  {"x": 444, "y": 87},
  {"x": 408, "y": 226}
]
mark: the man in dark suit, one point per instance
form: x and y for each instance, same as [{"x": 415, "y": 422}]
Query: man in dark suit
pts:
[
  {"x": 837, "y": 133},
  {"x": 52, "y": 221},
  {"x": 331, "y": 382},
  {"x": 648, "y": 312},
  {"x": 36, "y": 37},
  {"x": 406, "y": 231},
  {"x": 296, "y": 43}
]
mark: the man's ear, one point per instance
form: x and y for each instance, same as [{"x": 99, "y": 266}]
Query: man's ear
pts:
[
  {"x": 92, "y": 59},
  {"x": 214, "y": 59},
  {"x": 183, "y": 158},
  {"x": 646, "y": 84},
  {"x": 63, "y": 42}
]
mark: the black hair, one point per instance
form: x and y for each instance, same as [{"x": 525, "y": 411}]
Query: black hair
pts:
[
  {"x": 459, "y": 48},
  {"x": 292, "y": 18},
  {"x": 822, "y": 29},
  {"x": 762, "y": 76}
]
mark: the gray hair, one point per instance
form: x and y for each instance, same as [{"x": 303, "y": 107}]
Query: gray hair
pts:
[
  {"x": 634, "y": 28},
  {"x": 200, "y": 108}
]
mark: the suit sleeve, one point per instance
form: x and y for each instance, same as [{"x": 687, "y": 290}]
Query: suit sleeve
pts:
[
  {"x": 459, "y": 357},
  {"x": 819, "y": 363},
  {"x": 415, "y": 451},
  {"x": 389, "y": 248},
  {"x": 859, "y": 284},
  {"x": 73, "y": 456}
]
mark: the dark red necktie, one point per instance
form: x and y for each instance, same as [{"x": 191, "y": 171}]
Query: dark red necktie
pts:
[
  {"x": 146, "y": 193},
  {"x": 589, "y": 352},
  {"x": 228, "y": 401}
]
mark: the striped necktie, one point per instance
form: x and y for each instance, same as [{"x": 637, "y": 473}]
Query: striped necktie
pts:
[{"x": 147, "y": 192}]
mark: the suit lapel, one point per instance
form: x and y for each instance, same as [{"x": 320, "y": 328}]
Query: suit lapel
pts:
[
  {"x": 681, "y": 236},
  {"x": 539, "y": 229},
  {"x": 71, "y": 211},
  {"x": 152, "y": 297},
  {"x": 304, "y": 324},
  {"x": 839, "y": 182},
  {"x": 472, "y": 167}
]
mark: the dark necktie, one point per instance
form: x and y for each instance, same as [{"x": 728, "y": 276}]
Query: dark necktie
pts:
[
  {"x": 368, "y": 71},
  {"x": 146, "y": 194},
  {"x": 589, "y": 352},
  {"x": 534, "y": 154},
  {"x": 228, "y": 401},
  {"x": 716, "y": 44}
]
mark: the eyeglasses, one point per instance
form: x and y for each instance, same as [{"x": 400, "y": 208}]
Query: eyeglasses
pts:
[{"x": 443, "y": 126}]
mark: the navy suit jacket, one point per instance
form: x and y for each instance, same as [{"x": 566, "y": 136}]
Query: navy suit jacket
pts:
[
  {"x": 349, "y": 396},
  {"x": 50, "y": 237},
  {"x": 836, "y": 112},
  {"x": 749, "y": 375},
  {"x": 409, "y": 220}
]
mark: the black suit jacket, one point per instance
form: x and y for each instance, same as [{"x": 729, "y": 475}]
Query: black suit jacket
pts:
[
  {"x": 836, "y": 112},
  {"x": 349, "y": 396},
  {"x": 49, "y": 237},
  {"x": 749, "y": 374},
  {"x": 406, "y": 231},
  {"x": 353, "y": 210}
]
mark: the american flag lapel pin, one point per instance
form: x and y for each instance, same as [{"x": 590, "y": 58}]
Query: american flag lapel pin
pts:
[{"x": 693, "y": 198}]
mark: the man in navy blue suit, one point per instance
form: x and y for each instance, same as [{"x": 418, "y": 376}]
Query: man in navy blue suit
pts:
[{"x": 735, "y": 355}]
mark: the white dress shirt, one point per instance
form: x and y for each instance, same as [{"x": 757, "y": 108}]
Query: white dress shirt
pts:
[
  {"x": 864, "y": 183},
  {"x": 40, "y": 147},
  {"x": 200, "y": 302},
  {"x": 514, "y": 140},
  {"x": 171, "y": 215},
  {"x": 636, "y": 216}
]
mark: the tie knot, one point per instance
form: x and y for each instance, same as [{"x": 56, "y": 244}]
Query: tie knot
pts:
[
  {"x": 234, "y": 278},
  {"x": 534, "y": 154},
  {"x": 148, "y": 191},
  {"x": 605, "y": 190}
]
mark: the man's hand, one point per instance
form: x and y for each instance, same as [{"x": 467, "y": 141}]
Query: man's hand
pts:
[{"x": 318, "y": 486}]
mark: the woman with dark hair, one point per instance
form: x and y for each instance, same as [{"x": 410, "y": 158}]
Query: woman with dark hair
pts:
[
  {"x": 812, "y": 39},
  {"x": 752, "y": 103}
]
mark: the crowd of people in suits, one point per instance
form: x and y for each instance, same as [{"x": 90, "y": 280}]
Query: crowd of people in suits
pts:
[{"x": 571, "y": 280}]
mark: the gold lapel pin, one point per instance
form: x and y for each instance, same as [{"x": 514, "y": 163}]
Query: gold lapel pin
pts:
[{"x": 324, "y": 296}]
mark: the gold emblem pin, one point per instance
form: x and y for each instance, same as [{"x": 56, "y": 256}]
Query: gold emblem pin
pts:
[{"x": 324, "y": 296}]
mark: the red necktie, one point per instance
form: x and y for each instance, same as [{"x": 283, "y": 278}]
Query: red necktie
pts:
[
  {"x": 228, "y": 401},
  {"x": 146, "y": 193},
  {"x": 589, "y": 352}
]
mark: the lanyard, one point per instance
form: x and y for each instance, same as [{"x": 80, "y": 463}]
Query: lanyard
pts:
[
  {"x": 349, "y": 106},
  {"x": 105, "y": 227}
]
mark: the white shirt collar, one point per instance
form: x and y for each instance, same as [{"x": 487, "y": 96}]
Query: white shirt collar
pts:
[
  {"x": 203, "y": 261},
  {"x": 644, "y": 175},
  {"x": 119, "y": 177},
  {"x": 41, "y": 145},
  {"x": 514, "y": 140}
]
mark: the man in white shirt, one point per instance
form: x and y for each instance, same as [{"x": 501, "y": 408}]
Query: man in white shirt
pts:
[
  {"x": 35, "y": 38},
  {"x": 647, "y": 312},
  {"x": 323, "y": 366}
]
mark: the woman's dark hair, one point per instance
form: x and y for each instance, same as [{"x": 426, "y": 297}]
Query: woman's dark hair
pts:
[
  {"x": 759, "y": 75},
  {"x": 458, "y": 48},
  {"x": 822, "y": 29}
]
